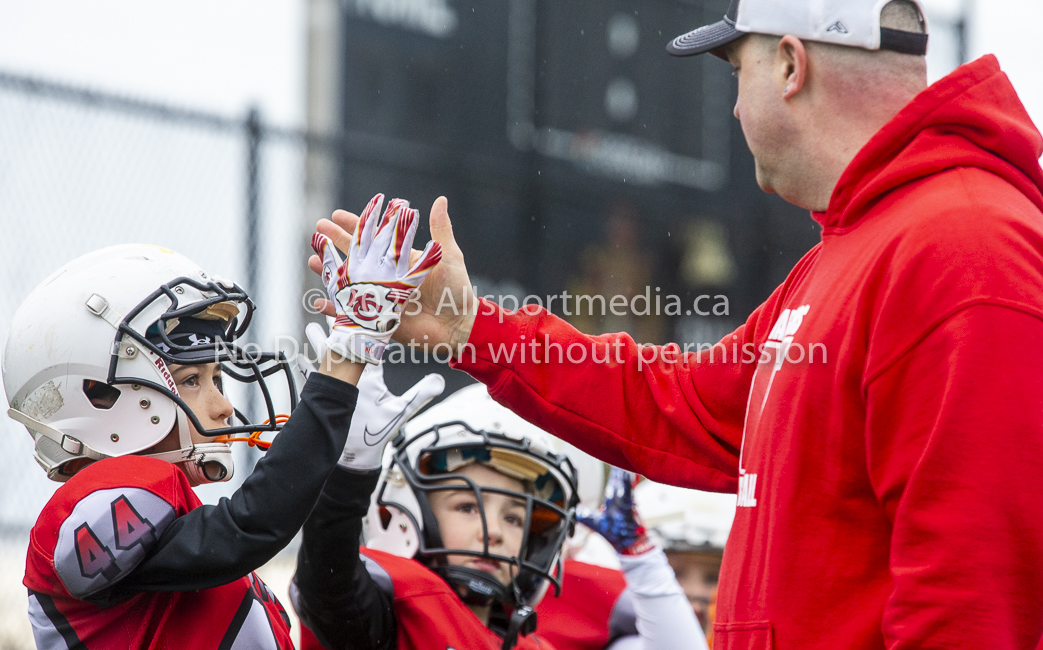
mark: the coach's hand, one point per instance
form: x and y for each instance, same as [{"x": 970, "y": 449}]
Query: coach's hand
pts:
[{"x": 448, "y": 284}]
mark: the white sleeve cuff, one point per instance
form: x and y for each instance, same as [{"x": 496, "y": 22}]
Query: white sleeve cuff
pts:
[{"x": 650, "y": 574}]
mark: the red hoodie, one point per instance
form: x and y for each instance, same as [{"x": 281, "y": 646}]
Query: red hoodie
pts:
[{"x": 890, "y": 488}]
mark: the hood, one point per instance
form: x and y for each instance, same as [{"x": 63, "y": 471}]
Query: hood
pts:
[{"x": 971, "y": 118}]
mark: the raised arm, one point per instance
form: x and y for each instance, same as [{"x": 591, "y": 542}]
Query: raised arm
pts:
[
  {"x": 338, "y": 601},
  {"x": 664, "y": 618},
  {"x": 214, "y": 545},
  {"x": 674, "y": 417}
]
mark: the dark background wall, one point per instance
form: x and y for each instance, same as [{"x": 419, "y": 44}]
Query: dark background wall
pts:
[{"x": 546, "y": 122}]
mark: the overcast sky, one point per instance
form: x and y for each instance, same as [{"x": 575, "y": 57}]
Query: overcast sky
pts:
[
  {"x": 225, "y": 55},
  {"x": 222, "y": 55}
]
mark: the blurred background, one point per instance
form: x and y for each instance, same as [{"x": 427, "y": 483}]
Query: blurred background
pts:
[{"x": 576, "y": 155}]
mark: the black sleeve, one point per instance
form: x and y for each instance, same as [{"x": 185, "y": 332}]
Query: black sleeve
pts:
[
  {"x": 333, "y": 592},
  {"x": 214, "y": 545}
]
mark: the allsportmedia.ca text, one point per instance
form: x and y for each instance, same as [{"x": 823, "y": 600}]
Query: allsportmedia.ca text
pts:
[
  {"x": 642, "y": 304},
  {"x": 649, "y": 303}
]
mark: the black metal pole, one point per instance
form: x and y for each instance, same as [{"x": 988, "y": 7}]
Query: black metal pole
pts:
[
  {"x": 253, "y": 146},
  {"x": 962, "y": 35},
  {"x": 253, "y": 227}
]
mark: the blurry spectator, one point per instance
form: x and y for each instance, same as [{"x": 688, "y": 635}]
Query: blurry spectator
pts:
[
  {"x": 699, "y": 262},
  {"x": 618, "y": 265}
]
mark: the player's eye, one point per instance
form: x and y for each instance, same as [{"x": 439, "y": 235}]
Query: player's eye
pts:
[
  {"x": 191, "y": 381},
  {"x": 467, "y": 507},
  {"x": 220, "y": 383},
  {"x": 515, "y": 520}
]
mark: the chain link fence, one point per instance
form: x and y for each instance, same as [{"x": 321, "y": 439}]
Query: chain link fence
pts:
[{"x": 81, "y": 170}]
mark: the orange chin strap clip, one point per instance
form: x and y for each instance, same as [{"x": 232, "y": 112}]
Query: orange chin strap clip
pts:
[{"x": 254, "y": 439}]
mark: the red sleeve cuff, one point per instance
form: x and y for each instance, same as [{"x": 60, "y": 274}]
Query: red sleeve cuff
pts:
[{"x": 494, "y": 332}]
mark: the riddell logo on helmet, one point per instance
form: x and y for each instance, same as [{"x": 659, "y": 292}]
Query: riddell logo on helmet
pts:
[
  {"x": 480, "y": 587},
  {"x": 166, "y": 375}
]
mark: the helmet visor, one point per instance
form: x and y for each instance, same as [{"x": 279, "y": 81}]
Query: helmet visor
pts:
[{"x": 188, "y": 322}]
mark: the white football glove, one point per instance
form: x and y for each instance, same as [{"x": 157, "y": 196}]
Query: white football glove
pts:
[
  {"x": 379, "y": 415},
  {"x": 316, "y": 335},
  {"x": 370, "y": 289}
]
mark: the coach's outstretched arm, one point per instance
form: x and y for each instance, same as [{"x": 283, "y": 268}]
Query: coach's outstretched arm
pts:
[{"x": 677, "y": 421}]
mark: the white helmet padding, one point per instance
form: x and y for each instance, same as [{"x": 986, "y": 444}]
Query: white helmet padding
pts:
[
  {"x": 467, "y": 428},
  {"x": 85, "y": 361}
]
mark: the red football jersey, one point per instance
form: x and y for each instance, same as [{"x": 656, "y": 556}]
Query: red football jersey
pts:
[
  {"x": 428, "y": 613},
  {"x": 93, "y": 533},
  {"x": 589, "y": 612}
]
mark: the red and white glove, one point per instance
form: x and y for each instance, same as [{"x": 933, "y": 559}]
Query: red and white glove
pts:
[{"x": 370, "y": 289}]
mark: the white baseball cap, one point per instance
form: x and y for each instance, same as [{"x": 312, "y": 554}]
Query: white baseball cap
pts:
[{"x": 855, "y": 23}]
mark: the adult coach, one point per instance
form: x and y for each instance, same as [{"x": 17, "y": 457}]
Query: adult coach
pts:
[{"x": 889, "y": 493}]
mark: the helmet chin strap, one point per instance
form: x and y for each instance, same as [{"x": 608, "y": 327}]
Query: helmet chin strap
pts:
[
  {"x": 209, "y": 462},
  {"x": 480, "y": 588}
]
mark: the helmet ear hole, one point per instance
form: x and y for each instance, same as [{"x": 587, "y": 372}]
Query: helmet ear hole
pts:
[
  {"x": 385, "y": 517},
  {"x": 215, "y": 472},
  {"x": 69, "y": 468},
  {"x": 102, "y": 396}
]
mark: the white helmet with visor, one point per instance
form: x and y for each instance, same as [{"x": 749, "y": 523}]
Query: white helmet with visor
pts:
[
  {"x": 467, "y": 428},
  {"x": 85, "y": 364}
]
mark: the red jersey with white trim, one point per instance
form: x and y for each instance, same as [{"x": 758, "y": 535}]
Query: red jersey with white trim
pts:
[
  {"x": 586, "y": 616},
  {"x": 96, "y": 529},
  {"x": 428, "y": 613}
]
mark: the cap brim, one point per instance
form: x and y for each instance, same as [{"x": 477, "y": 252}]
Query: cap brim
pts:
[{"x": 705, "y": 39}]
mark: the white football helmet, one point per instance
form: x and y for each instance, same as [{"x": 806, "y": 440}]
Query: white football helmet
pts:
[
  {"x": 469, "y": 427},
  {"x": 685, "y": 520},
  {"x": 85, "y": 361}
]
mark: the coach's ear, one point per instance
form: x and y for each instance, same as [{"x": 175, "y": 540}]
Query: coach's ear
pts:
[{"x": 791, "y": 66}]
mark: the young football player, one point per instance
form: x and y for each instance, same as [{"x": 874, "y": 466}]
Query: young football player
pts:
[
  {"x": 464, "y": 533},
  {"x": 115, "y": 364},
  {"x": 465, "y": 556}
]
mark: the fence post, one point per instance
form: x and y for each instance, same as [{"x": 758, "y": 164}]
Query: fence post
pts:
[
  {"x": 253, "y": 221},
  {"x": 254, "y": 133}
]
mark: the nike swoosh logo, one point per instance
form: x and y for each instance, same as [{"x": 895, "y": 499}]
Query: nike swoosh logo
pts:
[{"x": 374, "y": 438}]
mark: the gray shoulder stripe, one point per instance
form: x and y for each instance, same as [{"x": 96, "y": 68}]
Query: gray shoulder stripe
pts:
[
  {"x": 379, "y": 575},
  {"x": 51, "y": 630}
]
